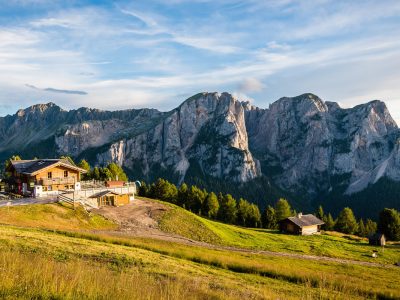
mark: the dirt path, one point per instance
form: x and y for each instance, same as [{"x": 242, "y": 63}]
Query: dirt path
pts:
[{"x": 140, "y": 219}]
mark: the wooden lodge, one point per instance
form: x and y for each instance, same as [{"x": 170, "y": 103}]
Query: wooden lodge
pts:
[
  {"x": 41, "y": 177},
  {"x": 301, "y": 225}
]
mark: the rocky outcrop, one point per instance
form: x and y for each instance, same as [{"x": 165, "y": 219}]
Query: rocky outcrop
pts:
[
  {"x": 301, "y": 144},
  {"x": 312, "y": 146},
  {"x": 207, "y": 130}
]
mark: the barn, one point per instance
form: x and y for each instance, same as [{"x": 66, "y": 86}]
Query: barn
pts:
[{"x": 301, "y": 225}]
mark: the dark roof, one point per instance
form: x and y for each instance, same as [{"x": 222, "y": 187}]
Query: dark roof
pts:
[
  {"x": 30, "y": 167},
  {"x": 376, "y": 236},
  {"x": 305, "y": 220},
  {"x": 103, "y": 193}
]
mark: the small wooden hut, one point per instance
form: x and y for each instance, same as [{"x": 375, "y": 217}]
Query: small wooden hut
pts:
[{"x": 377, "y": 239}]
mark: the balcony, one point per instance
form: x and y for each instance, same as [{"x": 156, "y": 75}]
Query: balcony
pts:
[{"x": 59, "y": 180}]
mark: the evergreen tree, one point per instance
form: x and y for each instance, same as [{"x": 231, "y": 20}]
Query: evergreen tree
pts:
[
  {"x": 116, "y": 171},
  {"x": 361, "y": 229},
  {"x": 196, "y": 198},
  {"x": 83, "y": 164},
  {"x": 269, "y": 218},
  {"x": 183, "y": 194},
  {"x": 389, "y": 224},
  {"x": 370, "y": 227},
  {"x": 105, "y": 174},
  {"x": 143, "y": 190},
  {"x": 254, "y": 217},
  {"x": 282, "y": 209},
  {"x": 329, "y": 223},
  {"x": 164, "y": 190},
  {"x": 211, "y": 206},
  {"x": 228, "y": 210},
  {"x": 96, "y": 173},
  {"x": 346, "y": 221},
  {"x": 320, "y": 213},
  {"x": 243, "y": 212}
]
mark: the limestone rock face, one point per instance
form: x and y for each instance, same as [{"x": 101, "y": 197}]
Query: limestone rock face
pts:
[
  {"x": 208, "y": 131},
  {"x": 301, "y": 144},
  {"x": 311, "y": 145}
]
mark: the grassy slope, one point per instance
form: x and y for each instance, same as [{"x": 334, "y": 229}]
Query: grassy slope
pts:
[
  {"x": 76, "y": 265},
  {"x": 182, "y": 222},
  {"x": 82, "y": 263},
  {"x": 53, "y": 216}
]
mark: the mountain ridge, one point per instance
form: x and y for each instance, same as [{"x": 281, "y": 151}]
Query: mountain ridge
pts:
[{"x": 300, "y": 145}]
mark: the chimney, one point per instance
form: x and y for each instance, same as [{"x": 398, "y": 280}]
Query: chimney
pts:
[{"x": 299, "y": 215}]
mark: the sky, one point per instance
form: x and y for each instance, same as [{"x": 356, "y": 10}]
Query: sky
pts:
[{"x": 156, "y": 53}]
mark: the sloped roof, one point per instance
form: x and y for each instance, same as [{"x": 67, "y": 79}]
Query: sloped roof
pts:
[
  {"x": 103, "y": 193},
  {"x": 376, "y": 236},
  {"x": 32, "y": 167},
  {"x": 306, "y": 220}
]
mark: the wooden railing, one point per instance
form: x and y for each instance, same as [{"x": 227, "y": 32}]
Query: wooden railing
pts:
[
  {"x": 58, "y": 180},
  {"x": 62, "y": 198}
]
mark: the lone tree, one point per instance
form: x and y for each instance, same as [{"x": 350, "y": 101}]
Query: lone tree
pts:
[
  {"x": 389, "y": 224},
  {"x": 282, "y": 209},
  {"x": 346, "y": 221}
]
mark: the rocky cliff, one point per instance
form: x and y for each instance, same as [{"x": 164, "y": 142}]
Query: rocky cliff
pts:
[{"x": 302, "y": 145}]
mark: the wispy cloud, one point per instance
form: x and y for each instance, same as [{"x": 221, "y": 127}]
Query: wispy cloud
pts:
[{"x": 53, "y": 90}]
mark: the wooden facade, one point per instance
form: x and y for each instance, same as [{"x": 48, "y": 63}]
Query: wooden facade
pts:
[
  {"x": 109, "y": 198},
  {"x": 43, "y": 176}
]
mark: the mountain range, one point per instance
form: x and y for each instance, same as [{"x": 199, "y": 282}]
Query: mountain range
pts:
[{"x": 303, "y": 148}]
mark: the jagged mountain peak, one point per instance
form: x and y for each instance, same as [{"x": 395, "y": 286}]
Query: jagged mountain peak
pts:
[
  {"x": 39, "y": 108},
  {"x": 300, "y": 144}
]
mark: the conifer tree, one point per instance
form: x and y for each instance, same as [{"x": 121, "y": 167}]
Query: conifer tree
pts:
[
  {"x": 389, "y": 224},
  {"x": 282, "y": 209},
  {"x": 211, "y": 205},
  {"x": 269, "y": 218},
  {"x": 228, "y": 210},
  {"x": 320, "y": 213},
  {"x": 370, "y": 227},
  {"x": 346, "y": 221},
  {"x": 329, "y": 223},
  {"x": 361, "y": 229}
]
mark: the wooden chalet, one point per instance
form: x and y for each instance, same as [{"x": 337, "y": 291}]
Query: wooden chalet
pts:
[
  {"x": 41, "y": 177},
  {"x": 301, "y": 225}
]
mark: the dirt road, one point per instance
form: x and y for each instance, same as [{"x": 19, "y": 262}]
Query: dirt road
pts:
[{"x": 140, "y": 219}]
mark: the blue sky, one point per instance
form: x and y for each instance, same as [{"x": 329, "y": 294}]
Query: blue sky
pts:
[{"x": 132, "y": 54}]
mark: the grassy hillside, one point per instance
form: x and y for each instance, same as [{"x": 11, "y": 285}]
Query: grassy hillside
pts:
[
  {"x": 332, "y": 244},
  {"x": 53, "y": 216},
  {"x": 65, "y": 258}
]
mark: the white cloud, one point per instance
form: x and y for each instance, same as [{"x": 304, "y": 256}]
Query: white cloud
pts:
[{"x": 249, "y": 85}]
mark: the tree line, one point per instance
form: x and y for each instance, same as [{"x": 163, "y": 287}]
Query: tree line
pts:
[{"x": 227, "y": 209}]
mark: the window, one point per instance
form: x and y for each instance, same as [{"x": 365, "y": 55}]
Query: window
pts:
[
  {"x": 49, "y": 175},
  {"x": 65, "y": 173}
]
